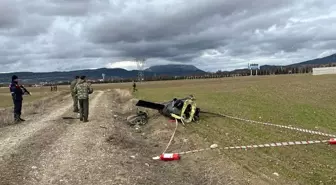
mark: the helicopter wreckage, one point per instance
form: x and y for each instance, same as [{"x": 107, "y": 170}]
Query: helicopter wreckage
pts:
[{"x": 183, "y": 110}]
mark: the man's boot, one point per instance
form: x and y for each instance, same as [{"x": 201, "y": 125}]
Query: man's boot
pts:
[
  {"x": 16, "y": 118},
  {"x": 80, "y": 116},
  {"x": 19, "y": 116}
]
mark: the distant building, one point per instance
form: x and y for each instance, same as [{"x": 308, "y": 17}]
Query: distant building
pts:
[{"x": 324, "y": 70}]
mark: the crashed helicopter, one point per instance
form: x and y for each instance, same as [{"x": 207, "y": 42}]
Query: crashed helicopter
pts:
[{"x": 183, "y": 110}]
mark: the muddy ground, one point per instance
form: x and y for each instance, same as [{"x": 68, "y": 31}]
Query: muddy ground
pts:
[{"x": 48, "y": 149}]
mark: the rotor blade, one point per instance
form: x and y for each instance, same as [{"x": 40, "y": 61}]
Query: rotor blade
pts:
[{"x": 150, "y": 105}]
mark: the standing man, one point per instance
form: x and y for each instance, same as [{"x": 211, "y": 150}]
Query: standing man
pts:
[
  {"x": 74, "y": 97},
  {"x": 134, "y": 87},
  {"x": 17, "y": 94},
  {"x": 82, "y": 91}
]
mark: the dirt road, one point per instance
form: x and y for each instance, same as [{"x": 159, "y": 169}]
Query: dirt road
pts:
[{"x": 47, "y": 149}]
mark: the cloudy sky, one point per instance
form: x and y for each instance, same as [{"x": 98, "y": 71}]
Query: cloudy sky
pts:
[{"x": 53, "y": 35}]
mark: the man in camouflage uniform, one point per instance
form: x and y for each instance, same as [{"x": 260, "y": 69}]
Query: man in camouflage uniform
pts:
[
  {"x": 74, "y": 97},
  {"x": 82, "y": 91},
  {"x": 134, "y": 87}
]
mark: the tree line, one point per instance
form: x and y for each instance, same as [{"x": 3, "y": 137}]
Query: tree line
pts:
[{"x": 268, "y": 70}]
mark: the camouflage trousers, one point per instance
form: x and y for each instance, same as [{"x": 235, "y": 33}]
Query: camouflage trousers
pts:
[
  {"x": 83, "y": 109},
  {"x": 75, "y": 103}
]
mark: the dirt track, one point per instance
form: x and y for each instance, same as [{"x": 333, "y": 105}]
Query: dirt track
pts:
[{"x": 47, "y": 149}]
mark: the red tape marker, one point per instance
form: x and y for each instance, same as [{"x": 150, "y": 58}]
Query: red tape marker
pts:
[
  {"x": 170, "y": 157},
  {"x": 332, "y": 141}
]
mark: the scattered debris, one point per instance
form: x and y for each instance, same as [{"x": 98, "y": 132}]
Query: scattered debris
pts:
[
  {"x": 140, "y": 118},
  {"x": 137, "y": 129}
]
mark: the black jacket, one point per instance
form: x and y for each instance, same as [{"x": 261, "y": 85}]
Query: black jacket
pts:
[{"x": 16, "y": 91}]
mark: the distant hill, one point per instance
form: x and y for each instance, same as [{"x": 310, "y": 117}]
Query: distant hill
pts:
[
  {"x": 169, "y": 70},
  {"x": 174, "y": 69},
  {"x": 318, "y": 61},
  {"x": 324, "y": 60}
]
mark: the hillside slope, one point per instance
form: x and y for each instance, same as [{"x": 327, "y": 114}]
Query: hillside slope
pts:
[
  {"x": 174, "y": 69},
  {"x": 170, "y": 70},
  {"x": 318, "y": 61}
]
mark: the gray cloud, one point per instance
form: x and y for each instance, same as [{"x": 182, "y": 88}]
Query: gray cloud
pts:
[
  {"x": 10, "y": 14},
  {"x": 41, "y": 35}
]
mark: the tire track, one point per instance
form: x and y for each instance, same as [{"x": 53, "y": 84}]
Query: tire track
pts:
[
  {"x": 20, "y": 158},
  {"x": 67, "y": 153},
  {"x": 15, "y": 136}
]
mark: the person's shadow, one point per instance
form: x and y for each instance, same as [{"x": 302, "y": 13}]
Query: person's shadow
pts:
[{"x": 68, "y": 117}]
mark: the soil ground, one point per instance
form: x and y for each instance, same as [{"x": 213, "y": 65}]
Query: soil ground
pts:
[{"x": 48, "y": 149}]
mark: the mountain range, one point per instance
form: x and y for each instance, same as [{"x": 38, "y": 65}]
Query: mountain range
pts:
[
  {"x": 115, "y": 73},
  {"x": 318, "y": 61},
  {"x": 166, "y": 70}
]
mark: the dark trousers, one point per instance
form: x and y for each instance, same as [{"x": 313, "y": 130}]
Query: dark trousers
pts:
[
  {"x": 17, "y": 108},
  {"x": 84, "y": 109}
]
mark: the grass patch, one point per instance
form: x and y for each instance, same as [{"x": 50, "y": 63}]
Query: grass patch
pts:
[
  {"x": 297, "y": 100},
  {"x": 36, "y": 106},
  {"x": 37, "y": 94}
]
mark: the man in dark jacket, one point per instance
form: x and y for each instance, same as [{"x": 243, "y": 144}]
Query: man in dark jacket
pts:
[{"x": 17, "y": 94}]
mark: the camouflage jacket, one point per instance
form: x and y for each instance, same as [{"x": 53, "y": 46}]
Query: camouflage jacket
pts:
[
  {"x": 82, "y": 89},
  {"x": 73, "y": 85}
]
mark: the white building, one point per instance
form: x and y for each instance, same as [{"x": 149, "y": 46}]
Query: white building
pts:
[{"x": 324, "y": 70}]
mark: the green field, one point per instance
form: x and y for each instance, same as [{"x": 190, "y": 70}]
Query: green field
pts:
[
  {"x": 301, "y": 101},
  {"x": 37, "y": 93},
  {"x": 42, "y": 92}
]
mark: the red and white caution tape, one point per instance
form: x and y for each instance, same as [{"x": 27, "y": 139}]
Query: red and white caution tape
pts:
[
  {"x": 214, "y": 146},
  {"x": 331, "y": 141},
  {"x": 172, "y": 137},
  {"x": 280, "y": 126}
]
